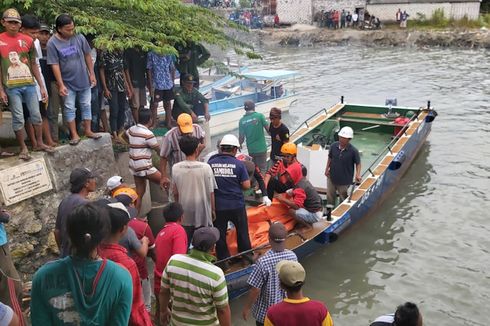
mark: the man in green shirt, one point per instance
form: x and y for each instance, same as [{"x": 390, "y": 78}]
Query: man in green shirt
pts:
[
  {"x": 251, "y": 127},
  {"x": 191, "y": 56},
  {"x": 189, "y": 100}
]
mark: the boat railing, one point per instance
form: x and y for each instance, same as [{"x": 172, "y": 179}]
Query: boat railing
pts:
[
  {"x": 305, "y": 123},
  {"x": 388, "y": 148}
]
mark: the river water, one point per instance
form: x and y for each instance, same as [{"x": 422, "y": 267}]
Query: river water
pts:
[{"x": 430, "y": 241}]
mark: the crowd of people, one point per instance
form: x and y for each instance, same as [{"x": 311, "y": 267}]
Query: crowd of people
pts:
[
  {"x": 102, "y": 276},
  {"x": 337, "y": 19},
  {"x": 45, "y": 72}
]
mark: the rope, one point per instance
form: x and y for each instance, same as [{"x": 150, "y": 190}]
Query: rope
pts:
[{"x": 15, "y": 302}]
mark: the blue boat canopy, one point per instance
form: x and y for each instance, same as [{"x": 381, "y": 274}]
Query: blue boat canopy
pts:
[{"x": 270, "y": 74}]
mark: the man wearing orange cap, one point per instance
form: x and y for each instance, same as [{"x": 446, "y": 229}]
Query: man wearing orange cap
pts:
[{"x": 170, "y": 149}]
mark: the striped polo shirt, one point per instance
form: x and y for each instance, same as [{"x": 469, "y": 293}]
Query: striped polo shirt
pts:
[
  {"x": 197, "y": 288},
  {"x": 141, "y": 143}
]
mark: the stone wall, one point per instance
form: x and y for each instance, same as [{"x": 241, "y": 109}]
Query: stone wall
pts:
[
  {"x": 30, "y": 230},
  {"x": 295, "y": 11},
  {"x": 348, "y": 5}
]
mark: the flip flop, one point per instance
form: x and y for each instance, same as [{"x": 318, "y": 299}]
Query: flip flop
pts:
[
  {"x": 6, "y": 154},
  {"x": 24, "y": 156},
  {"x": 74, "y": 142},
  {"x": 48, "y": 149},
  {"x": 95, "y": 136}
]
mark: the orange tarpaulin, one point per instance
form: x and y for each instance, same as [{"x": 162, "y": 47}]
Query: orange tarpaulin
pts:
[{"x": 259, "y": 220}]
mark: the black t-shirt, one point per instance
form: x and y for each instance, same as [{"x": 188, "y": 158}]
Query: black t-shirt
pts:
[
  {"x": 135, "y": 61},
  {"x": 279, "y": 136},
  {"x": 342, "y": 163}
]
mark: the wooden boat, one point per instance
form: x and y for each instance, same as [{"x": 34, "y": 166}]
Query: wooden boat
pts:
[
  {"x": 267, "y": 88},
  {"x": 385, "y": 155}
]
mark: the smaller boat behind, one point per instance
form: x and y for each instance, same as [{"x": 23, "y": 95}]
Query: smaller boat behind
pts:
[{"x": 267, "y": 88}]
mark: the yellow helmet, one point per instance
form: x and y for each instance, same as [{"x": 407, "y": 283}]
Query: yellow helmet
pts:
[{"x": 289, "y": 148}]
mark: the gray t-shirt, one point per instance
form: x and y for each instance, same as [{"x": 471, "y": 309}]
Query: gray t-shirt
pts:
[
  {"x": 195, "y": 182},
  {"x": 66, "y": 207},
  {"x": 130, "y": 241},
  {"x": 70, "y": 56}
]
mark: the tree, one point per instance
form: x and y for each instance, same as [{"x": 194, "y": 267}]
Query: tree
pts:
[{"x": 149, "y": 24}]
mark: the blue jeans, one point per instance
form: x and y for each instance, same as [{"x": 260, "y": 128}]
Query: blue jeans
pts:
[
  {"x": 28, "y": 95},
  {"x": 307, "y": 216},
  {"x": 70, "y": 109}
]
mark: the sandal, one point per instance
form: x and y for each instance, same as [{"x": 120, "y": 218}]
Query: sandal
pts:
[
  {"x": 24, "y": 156},
  {"x": 94, "y": 136},
  {"x": 74, "y": 142},
  {"x": 6, "y": 154}
]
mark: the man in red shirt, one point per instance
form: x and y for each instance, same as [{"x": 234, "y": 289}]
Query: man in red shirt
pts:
[
  {"x": 19, "y": 73},
  {"x": 296, "y": 309},
  {"x": 142, "y": 229},
  {"x": 111, "y": 249},
  {"x": 171, "y": 240}
]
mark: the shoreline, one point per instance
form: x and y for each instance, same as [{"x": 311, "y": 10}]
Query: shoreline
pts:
[{"x": 307, "y": 35}]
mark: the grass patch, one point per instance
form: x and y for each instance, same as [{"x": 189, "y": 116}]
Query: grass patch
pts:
[{"x": 438, "y": 20}]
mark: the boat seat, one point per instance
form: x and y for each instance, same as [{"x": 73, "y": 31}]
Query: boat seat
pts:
[
  {"x": 371, "y": 122},
  {"x": 363, "y": 115}
]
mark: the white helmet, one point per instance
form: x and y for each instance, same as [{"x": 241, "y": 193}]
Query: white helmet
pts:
[
  {"x": 229, "y": 140},
  {"x": 346, "y": 132}
]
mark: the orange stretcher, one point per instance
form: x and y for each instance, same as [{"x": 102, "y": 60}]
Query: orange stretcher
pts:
[{"x": 259, "y": 220}]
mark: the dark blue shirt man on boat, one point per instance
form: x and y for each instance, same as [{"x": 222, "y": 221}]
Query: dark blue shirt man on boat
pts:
[{"x": 342, "y": 158}]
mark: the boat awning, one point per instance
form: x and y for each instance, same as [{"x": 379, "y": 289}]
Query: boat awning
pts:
[{"x": 270, "y": 74}]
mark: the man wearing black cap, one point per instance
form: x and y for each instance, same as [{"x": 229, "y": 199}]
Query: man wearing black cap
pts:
[
  {"x": 199, "y": 286},
  {"x": 82, "y": 182},
  {"x": 264, "y": 281},
  {"x": 189, "y": 100}
]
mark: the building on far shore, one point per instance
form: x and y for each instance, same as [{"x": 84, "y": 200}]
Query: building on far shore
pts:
[
  {"x": 386, "y": 10},
  {"x": 303, "y": 11}
]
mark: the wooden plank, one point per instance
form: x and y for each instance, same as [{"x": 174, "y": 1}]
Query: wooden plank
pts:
[
  {"x": 317, "y": 121},
  {"x": 299, "y": 133},
  {"x": 337, "y": 107},
  {"x": 340, "y": 210},
  {"x": 357, "y": 194},
  {"x": 399, "y": 144},
  {"x": 371, "y": 122},
  {"x": 387, "y": 160},
  {"x": 364, "y": 115},
  {"x": 380, "y": 169},
  {"x": 367, "y": 183}
]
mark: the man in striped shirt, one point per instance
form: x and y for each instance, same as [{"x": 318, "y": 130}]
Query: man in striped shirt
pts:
[
  {"x": 196, "y": 287},
  {"x": 141, "y": 143}
]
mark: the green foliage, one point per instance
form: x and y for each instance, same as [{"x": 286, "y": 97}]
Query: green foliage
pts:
[
  {"x": 150, "y": 24},
  {"x": 439, "y": 21},
  {"x": 245, "y": 3}
]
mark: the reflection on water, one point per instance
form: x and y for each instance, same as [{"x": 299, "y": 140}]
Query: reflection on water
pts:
[{"x": 429, "y": 241}]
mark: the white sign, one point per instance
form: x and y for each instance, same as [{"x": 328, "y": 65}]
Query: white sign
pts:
[{"x": 24, "y": 181}]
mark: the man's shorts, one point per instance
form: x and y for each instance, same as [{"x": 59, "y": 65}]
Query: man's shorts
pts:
[
  {"x": 308, "y": 216},
  {"x": 143, "y": 173},
  {"x": 163, "y": 95},
  {"x": 139, "y": 97}
]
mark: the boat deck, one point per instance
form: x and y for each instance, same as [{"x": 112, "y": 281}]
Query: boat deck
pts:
[{"x": 370, "y": 145}]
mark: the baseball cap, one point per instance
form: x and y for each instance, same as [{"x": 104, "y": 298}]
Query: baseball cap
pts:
[
  {"x": 120, "y": 206},
  {"x": 249, "y": 105},
  {"x": 277, "y": 236},
  {"x": 80, "y": 176},
  {"x": 204, "y": 238},
  {"x": 12, "y": 15},
  {"x": 188, "y": 78},
  {"x": 114, "y": 182},
  {"x": 44, "y": 28},
  {"x": 184, "y": 121},
  {"x": 291, "y": 273},
  {"x": 126, "y": 191}
]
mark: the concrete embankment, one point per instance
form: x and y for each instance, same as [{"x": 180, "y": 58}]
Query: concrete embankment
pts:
[{"x": 306, "y": 35}]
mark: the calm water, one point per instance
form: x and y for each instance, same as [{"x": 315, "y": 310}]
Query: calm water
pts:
[{"x": 429, "y": 242}]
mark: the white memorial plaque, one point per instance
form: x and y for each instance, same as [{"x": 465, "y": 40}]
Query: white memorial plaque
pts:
[{"x": 24, "y": 181}]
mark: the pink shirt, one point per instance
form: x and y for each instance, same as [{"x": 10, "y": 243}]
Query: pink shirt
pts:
[{"x": 171, "y": 240}]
